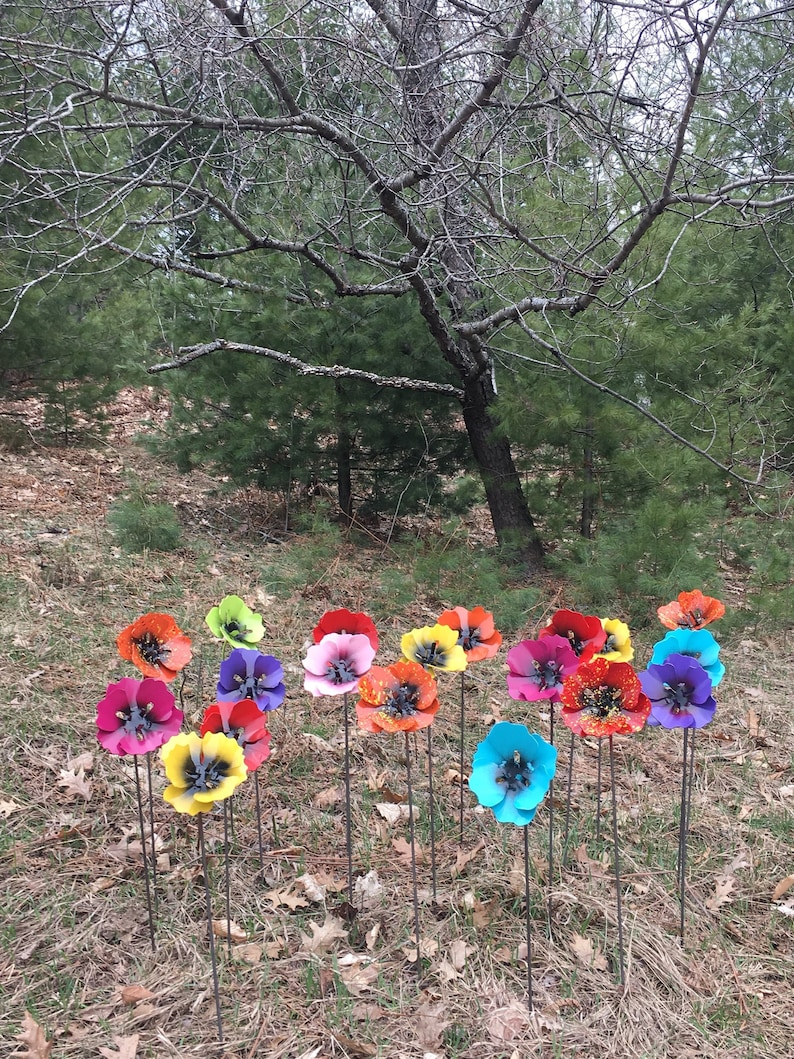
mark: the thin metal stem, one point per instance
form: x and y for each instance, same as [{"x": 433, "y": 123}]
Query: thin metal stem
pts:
[
  {"x": 687, "y": 780},
  {"x": 529, "y": 918},
  {"x": 568, "y": 803},
  {"x": 211, "y": 936},
  {"x": 551, "y": 825},
  {"x": 413, "y": 854},
  {"x": 259, "y": 821},
  {"x": 151, "y": 828},
  {"x": 143, "y": 852},
  {"x": 226, "y": 815},
  {"x": 598, "y": 795},
  {"x": 348, "y": 825},
  {"x": 431, "y": 808},
  {"x": 461, "y": 748},
  {"x": 618, "y": 894}
]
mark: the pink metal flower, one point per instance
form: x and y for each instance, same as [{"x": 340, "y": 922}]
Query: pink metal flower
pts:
[
  {"x": 337, "y": 663},
  {"x": 539, "y": 667},
  {"x": 136, "y": 716}
]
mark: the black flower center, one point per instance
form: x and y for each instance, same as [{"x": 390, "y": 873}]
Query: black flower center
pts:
[
  {"x": 515, "y": 773},
  {"x": 429, "y": 654},
  {"x": 576, "y": 642},
  {"x": 136, "y": 719},
  {"x": 547, "y": 674},
  {"x": 602, "y": 702},
  {"x": 610, "y": 644},
  {"x": 340, "y": 671},
  {"x": 404, "y": 702},
  {"x": 207, "y": 774},
  {"x": 677, "y": 696},
  {"x": 151, "y": 650},
  {"x": 468, "y": 640}
]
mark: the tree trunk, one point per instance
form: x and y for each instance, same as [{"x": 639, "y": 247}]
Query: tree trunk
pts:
[{"x": 515, "y": 529}]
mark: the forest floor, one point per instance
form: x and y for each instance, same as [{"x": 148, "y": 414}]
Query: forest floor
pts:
[{"x": 302, "y": 980}]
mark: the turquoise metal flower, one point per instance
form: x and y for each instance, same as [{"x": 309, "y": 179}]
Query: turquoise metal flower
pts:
[{"x": 511, "y": 772}]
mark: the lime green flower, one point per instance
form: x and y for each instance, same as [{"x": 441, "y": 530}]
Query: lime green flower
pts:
[
  {"x": 617, "y": 647},
  {"x": 235, "y": 623},
  {"x": 202, "y": 770},
  {"x": 435, "y": 647}
]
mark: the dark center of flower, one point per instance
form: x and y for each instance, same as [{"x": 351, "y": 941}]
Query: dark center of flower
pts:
[
  {"x": 251, "y": 687},
  {"x": 610, "y": 644},
  {"x": 403, "y": 702},
  {"x": 136, "y": 719},
  {"x": 236, "y": 630},
  {"x": 547, "y": 674},
  {"x": 515, "y": 773},
  {"x": 239, "y": 735},
  {"x": 577, "y": 644},
  {"x": 429, "y": 655},
  {"x": 340, "y": 671},
  {"x": 207, "y": 775},
  {"x": 469, "y": 638},
  {"x": 691, "y": 619},
  {"x": 150, "y": 649},
  {"x": 603, "y": 702},
  {"x": 677, "y": 696}
]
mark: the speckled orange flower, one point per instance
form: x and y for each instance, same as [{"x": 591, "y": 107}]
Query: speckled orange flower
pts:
[
  {"x": 398, "y": 698},
  {"x": 604, "y": 698},
  {"x": 692, "y": 610},
  {"x": 156, "y": 645}
]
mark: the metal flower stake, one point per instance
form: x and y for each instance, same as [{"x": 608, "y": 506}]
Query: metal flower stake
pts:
[
  {"x": 511, "y": 773},
  {"x": 333, "y": 665},
  {"x": 202, "y": 771}
]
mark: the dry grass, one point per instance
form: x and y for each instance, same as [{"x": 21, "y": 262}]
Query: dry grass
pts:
[{"x": 75, "y": 936}]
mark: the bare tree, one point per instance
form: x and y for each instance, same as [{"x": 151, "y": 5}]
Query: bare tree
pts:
[{"x": 500, "y": 163}]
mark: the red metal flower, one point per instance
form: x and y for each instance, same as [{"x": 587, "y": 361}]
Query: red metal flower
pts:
[
  {"x": 692, "y": 610},
  {"x": 476, "y": 633},
  {"x": 243, "y": 721},
  {"x": 345, "y": 621},
  {"x": 397, "y": 698},
  {"x": 584, "y": 632},
  {"x": 604, "y": 698},
  {"x": 156, "y": 645}
]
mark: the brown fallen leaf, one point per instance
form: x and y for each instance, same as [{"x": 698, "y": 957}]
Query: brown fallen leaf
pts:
[
  {"x": 723, "y": 885},
  {"x": 286, "y": 898},
  {"x": 323, "y": 936},
  {"x": 782, "y": 887},
  {"x": 223, "y": 928},
  {"x": 392, "y": 812},
  {"x": 507, "y": 1022},
  {"x": 459, "y": 952},
  {"x": 83, "y": 761},
  {"x": 328, "y": 797},
  {"x": 74, "y": 784},
  {"x": 402, "y": 848},
  {"x": 359, "y": 973},
  {"x": 34, "y": 1039},
  {"x": 7, "y": 808},
  {"x": 430, "y": 1025},
  {"x": 586, "y": 953},
  {"x": 464, "y": 857},
  {"x": 356, "y": 1049},
  {"x": 598, "y": 868},
  {"x": 127, "y": 1048},
  {"x": 251, "y": 953},
  {"x": 133, "y": 994}
]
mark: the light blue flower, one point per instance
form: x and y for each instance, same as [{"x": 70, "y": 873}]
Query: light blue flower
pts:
[
  {"x": 511, "y": 772},
  {"x": 695, "y": 643}
]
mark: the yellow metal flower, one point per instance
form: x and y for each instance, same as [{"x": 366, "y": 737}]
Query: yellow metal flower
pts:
[
  {"x": 435, "y": 647},
  {"x": 202, "y": 770},
  {"x": 617, "y": 647}
]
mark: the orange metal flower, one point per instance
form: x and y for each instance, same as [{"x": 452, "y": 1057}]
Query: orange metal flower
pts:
[
  {"x": 692, "y": 610},
  {"x": 156, "y": 645},
  {"x": 476, "y": 632},
  {"x": 397, "y": 698},
  {"x": 604, "y": 698}
]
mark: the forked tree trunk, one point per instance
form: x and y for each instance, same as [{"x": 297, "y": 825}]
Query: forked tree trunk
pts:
[{"x": 513, "y": 523}]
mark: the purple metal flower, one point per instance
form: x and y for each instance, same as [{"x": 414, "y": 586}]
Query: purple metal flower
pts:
[
  {"x": 680, "y": 692},
  {"x": 538, "y": 668},
  {"x": 335, "y": 664},
  {"x": 247, "y": 674},
  {"x": 136, "y": 716}
]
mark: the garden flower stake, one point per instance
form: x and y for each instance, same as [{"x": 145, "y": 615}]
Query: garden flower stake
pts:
[
  {"x": 233, "y": 621},
  {"x": 135, "y": 717},
  {"x": 679, "y": 689},
  {"x": 536, "y": 671},
  {"x": 511, "y": 773},
  {"x": 334, "y": 665},
  {"x": 156, "y": 645},
  {"x": 203, "y": 770},
  {"x": 604, "y": 698},
  {"x": 400, "y": 698},
  {"x": 479, "y": 639}
]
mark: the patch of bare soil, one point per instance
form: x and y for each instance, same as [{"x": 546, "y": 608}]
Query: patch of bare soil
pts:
[{"x": 302, "y": 978}]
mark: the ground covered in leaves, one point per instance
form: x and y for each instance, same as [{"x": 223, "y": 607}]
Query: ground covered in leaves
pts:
[{"x": 300, "y": 979}]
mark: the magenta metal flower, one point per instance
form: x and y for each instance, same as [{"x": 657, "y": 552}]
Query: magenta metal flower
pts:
[
  {"x": 136, "y": 716},
  {"x": 336, "y": 664},
  {"x": 537, "y": 668}
]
